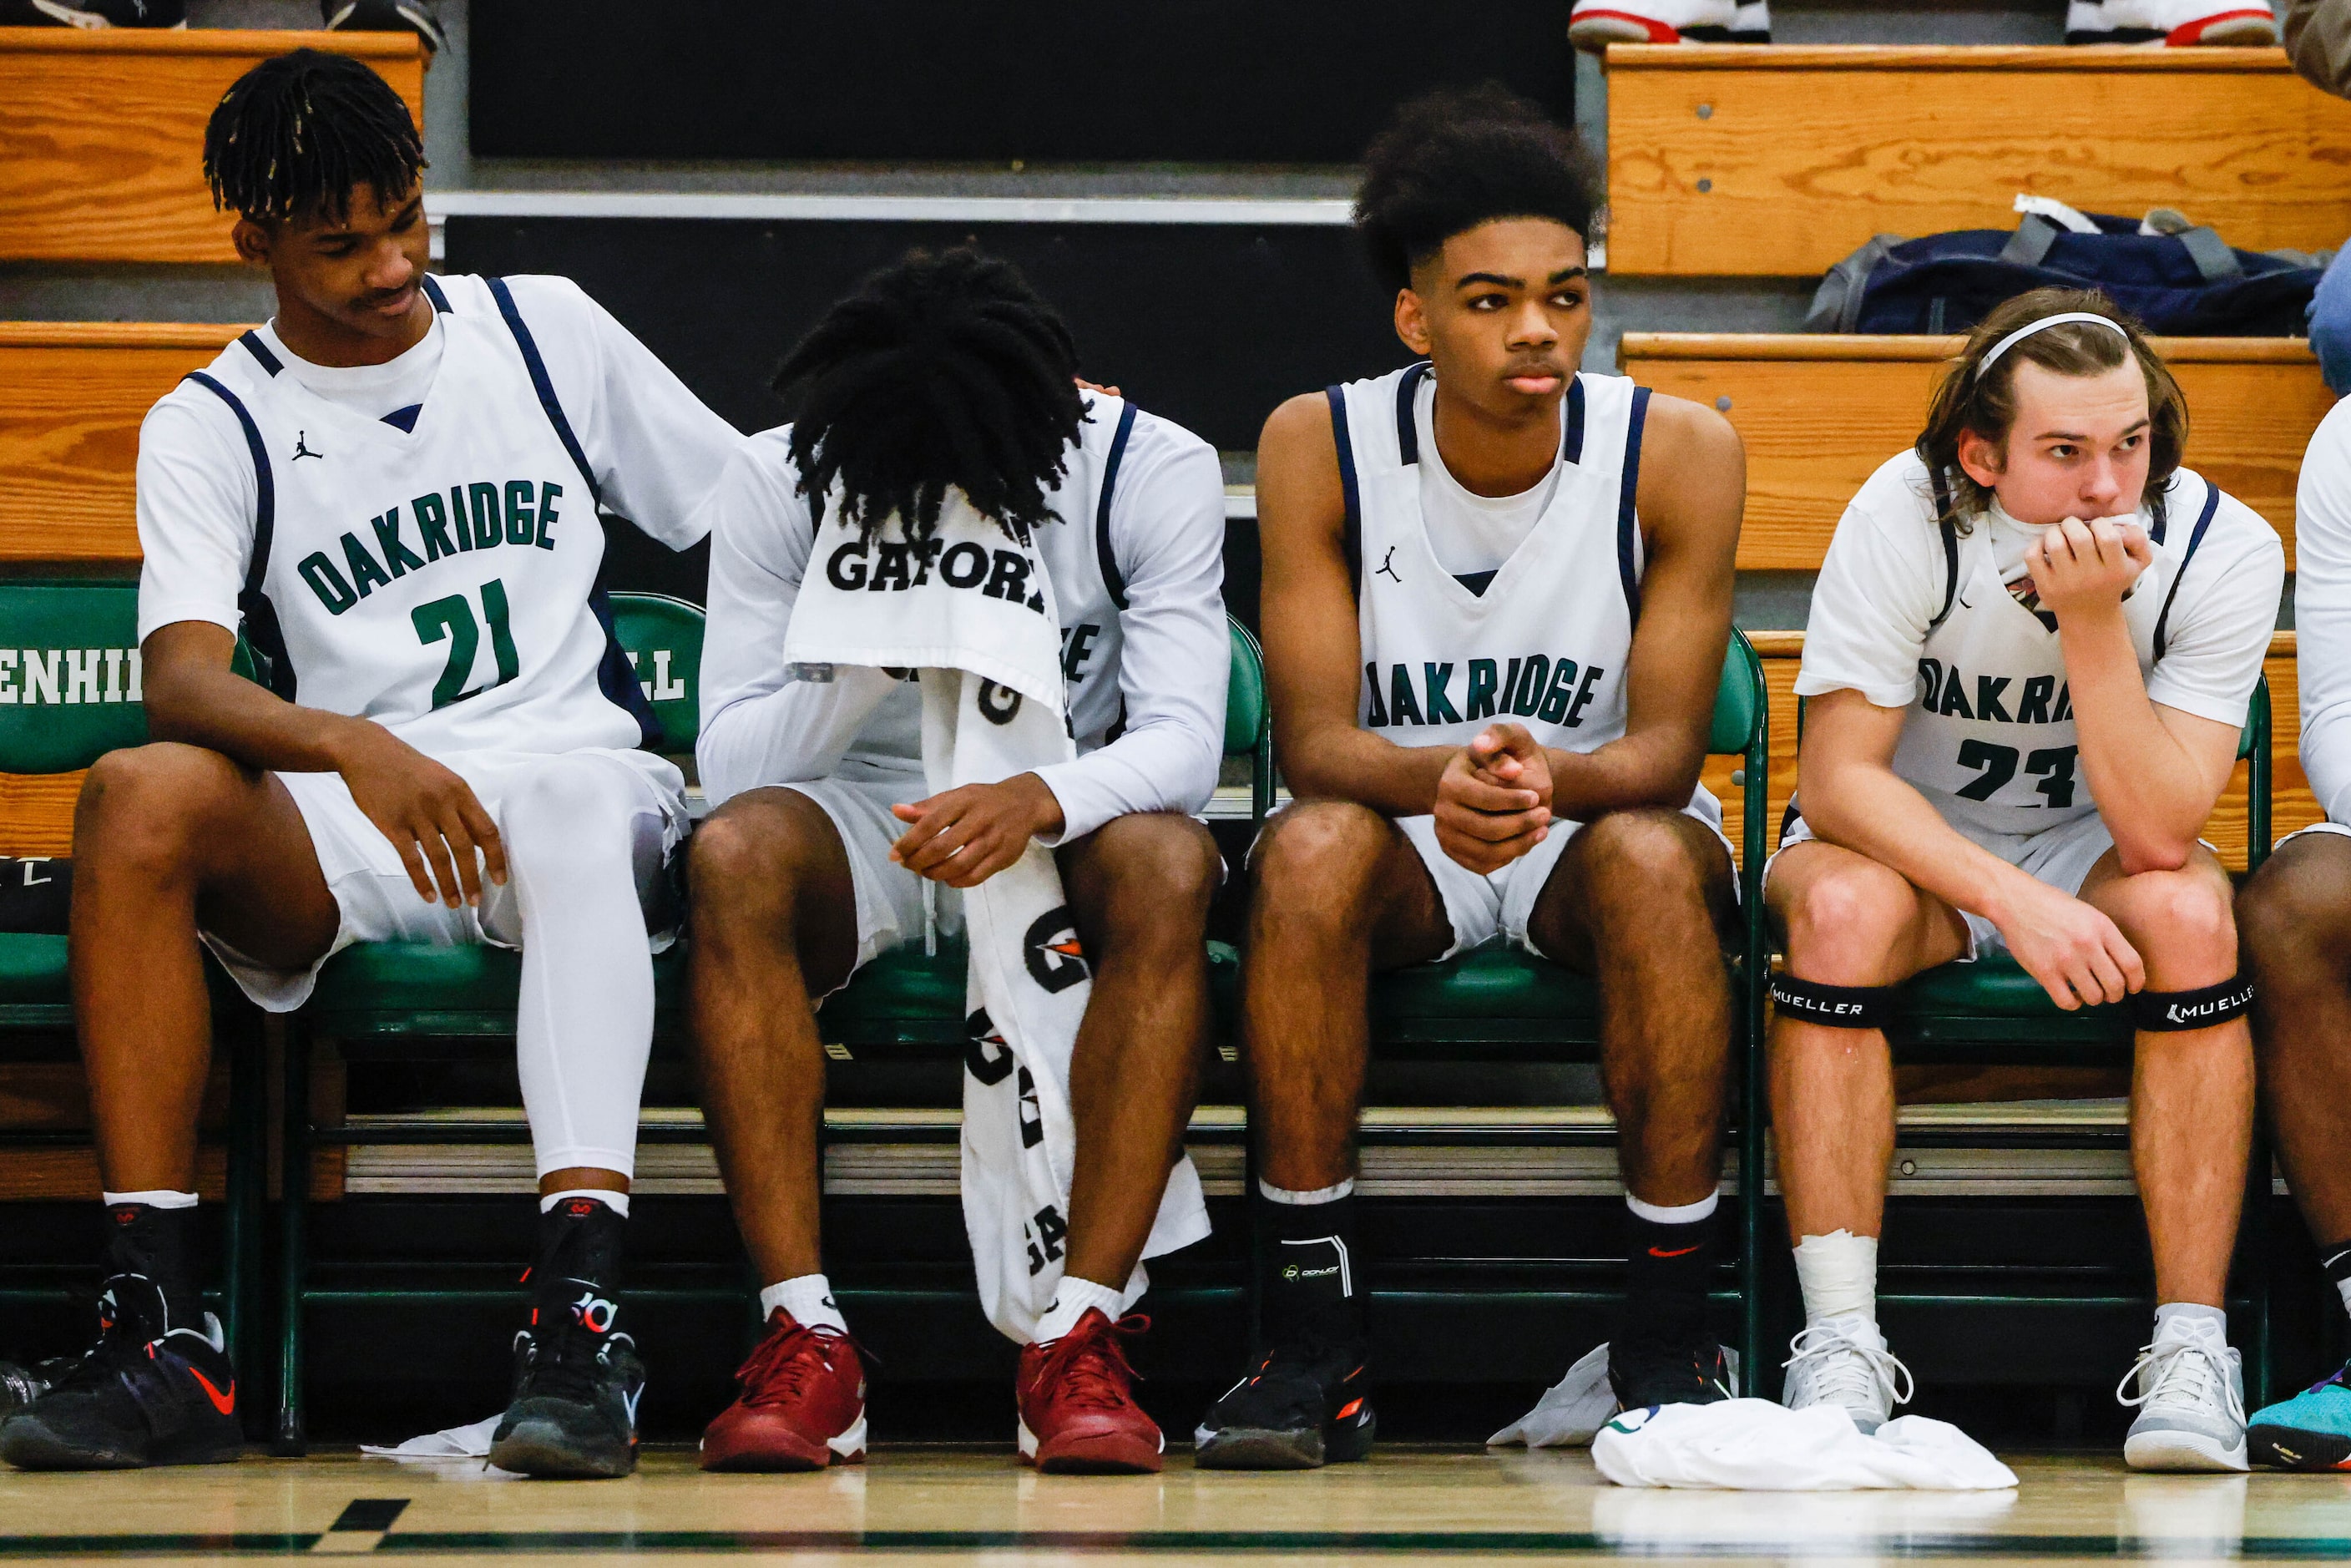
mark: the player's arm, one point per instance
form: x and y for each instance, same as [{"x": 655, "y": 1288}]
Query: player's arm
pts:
[
  {"x": 428, "y": 813},
  {"x": 1314, "y": 655},
  {"x": 2154, "y": 771},
  {"x": 1853, "y": 798},
  {"x": 2322, "y": 612},
  {"x": 1693, "y": 488}
]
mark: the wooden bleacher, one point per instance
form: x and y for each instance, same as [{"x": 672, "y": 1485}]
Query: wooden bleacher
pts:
[
  {"x": 1820, "y": 414},
  {"x": 99, "y": 133},
  {"x": 1740, "y": 161}
]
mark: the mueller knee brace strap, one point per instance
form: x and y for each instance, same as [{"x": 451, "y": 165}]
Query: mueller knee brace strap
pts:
[
  {"x": 2169, "y": 1012},
  {"x": 1836, "y": 1006}
]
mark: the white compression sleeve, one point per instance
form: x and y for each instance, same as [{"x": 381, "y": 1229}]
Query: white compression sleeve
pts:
[{"x": 581, "y": 839}]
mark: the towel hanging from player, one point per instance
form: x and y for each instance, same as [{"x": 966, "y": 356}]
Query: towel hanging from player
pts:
[{"x": 972, "y": 609}]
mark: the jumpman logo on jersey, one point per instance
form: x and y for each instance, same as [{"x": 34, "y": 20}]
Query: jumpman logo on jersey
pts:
[
  {"x": 1387, "y": 565},
  {"x": 302, "y": 449}
]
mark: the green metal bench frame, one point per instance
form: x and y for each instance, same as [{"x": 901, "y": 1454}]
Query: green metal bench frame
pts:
[
  {"x": 375, "y": 996},
  {"x": 1991, "y": 1013},
  {"x": 1494, "y": 1004},
  {"x": 34, "y": 994}
]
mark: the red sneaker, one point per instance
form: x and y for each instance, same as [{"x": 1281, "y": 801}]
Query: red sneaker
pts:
[
  {"x": 1077, "y": 1414},
  {"x": 801, "y": 1404}
]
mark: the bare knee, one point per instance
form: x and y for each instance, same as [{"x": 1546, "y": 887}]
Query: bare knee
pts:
[
  {"x": 1318, "y": 853},
  {"x": 1646, "y": 859},
  {"x": 150, "y": 808},
  {"x": 1841, "y": 921},
  {"x": 1145, "y": 880},
  {"x": 2180, "y": 922},
  {"x": 2295, "y": 911},
  {"x": 750, "y": 860}
]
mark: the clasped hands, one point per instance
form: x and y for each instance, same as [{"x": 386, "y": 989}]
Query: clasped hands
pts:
[{"x": 1493, "y": 800}]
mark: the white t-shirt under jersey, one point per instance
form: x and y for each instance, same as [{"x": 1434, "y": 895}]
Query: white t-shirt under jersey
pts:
[
  {"x": 1147, "y": 682},
  {"x": 1885, "y": 580},
  {"x": 372, "y": 392},
  {"x": 654, "y": 450},
  {"x": 1472, "y": 535}
]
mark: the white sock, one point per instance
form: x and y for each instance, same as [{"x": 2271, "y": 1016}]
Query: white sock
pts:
[
  {"x": 2342, "y": 1289},
  {"x": 2189, "y": 1319},
  {"x": 1301, "y": 1199},
  {"x": 1072, "y": 1300},
  {"x": 618, "y": 1202},
  {"x": 809, "y": 1298},
  {"x": 1675, "y": 1213},
  {"x": 160, "y": 1198},
  {"x": 1839, "y": 1275}
]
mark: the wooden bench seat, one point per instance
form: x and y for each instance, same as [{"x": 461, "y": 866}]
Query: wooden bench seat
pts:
[
  {"x": 1737, "y": 161},
  {"x": 102, "y": 135},
  {"x": 1818, "y": 414}
]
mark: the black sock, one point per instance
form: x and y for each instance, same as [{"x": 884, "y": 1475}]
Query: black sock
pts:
[
  {"x": 1669, "y": 1267},
  {"x": 1310, "y": 1285},
  {"x": 155, "y": 1244},
  {"x": 578, "y": 1274}
]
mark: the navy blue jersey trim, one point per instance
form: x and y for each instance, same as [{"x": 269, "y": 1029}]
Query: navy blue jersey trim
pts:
[
  {"x": 1351, "y": 540},
  {"x": 261, "y": 628},
  {"x": 433, "y": 292},
  {"x": 616, "y": 677},
  {"x": 546, "y": 387},
  {"x": 1950, "y": 551},
  {"x": 1103, "y": 557},
  {"x": 1627, "y": 519},
  {"x": 259, "y": 350},
  {"x": 2204, "y": 521},
  {"x": 1408, "y": 427},
  {"x": 1570, "y": 441}
]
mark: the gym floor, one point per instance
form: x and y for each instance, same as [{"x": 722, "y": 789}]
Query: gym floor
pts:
[{"x": 967, "y": 1505}]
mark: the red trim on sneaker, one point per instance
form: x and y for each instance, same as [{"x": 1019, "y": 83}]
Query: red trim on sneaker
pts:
[
  {"x": 1076, "y": 1393},
  {"x": 2192, "y": 33},
  {"x": 1659, "y": 32}
]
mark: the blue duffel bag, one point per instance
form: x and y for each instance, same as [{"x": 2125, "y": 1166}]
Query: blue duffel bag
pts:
[{"x": 2182, "y": 280}]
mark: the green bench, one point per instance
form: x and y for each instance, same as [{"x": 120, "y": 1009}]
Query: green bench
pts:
[{"x": 68, "y": 696}]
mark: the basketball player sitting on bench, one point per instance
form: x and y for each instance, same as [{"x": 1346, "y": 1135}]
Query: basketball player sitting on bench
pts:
[
  {"x": 949, "y": 371},
  {"x": 2031, "y": 651},
  {"x": 1497, "y": 597},
  {"x": 393, "y": 489}
]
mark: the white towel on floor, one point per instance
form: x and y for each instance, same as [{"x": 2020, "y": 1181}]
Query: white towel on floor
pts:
[
  {"x": 467, "y": 1442},
  {"x": 973, "y": 610},
  {"x": 1575, "y": 1407},
  {"x": 1754, "y": 1445}
]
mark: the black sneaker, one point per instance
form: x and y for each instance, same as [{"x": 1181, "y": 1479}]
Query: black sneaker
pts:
[
  {"x": 577, "y": 1377},
  {"x": 422, "y": 18},
  {"x": 146, "y": 1393},
  {"x": 1662, "y": 1366},
  {"x": 21, "y": 1385},
  {"x": 97, "y": 14},
  {"x": 1303, "y": 1406}
]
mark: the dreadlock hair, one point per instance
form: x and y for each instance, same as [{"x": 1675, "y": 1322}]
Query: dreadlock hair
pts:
[
  {"x": 1459, "y": 157},
  {"x": 944, "y": 372},
  {"x": 294, "y": 136},
  {"x": 1971, "y": 398}
]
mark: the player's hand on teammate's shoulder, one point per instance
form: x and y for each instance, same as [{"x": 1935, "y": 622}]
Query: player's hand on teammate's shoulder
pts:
[
  {"x": 1493, "y": 800},
  {"x": 431, "y": 815},
  {"x": 2083, "y": 566},
  {"x": 968, "y": 834},
  {"x": 2079, "y": 955}
]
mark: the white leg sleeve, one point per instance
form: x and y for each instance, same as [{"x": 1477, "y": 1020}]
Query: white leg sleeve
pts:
[{"x": 584, "y": 841}]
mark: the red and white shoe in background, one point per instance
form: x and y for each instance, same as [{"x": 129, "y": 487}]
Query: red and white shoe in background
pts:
[
  {"x": 800, "y": 1404},
  {"x": 1594, "y": 25},
  {"x": 1077, "y": 1414},
  {"x": 2177, "y": 22}
]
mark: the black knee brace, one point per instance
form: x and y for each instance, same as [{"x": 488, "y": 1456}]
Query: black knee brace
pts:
[
  {"x": 1835, "y": 1007},
  {"x": 2169, "y": 1012}
]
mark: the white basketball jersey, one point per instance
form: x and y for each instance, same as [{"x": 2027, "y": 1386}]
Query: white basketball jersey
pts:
[
  {"x": 1546, "y": 642},
  {"x": 1991, "y": 737},
  {"x": 439, "y": 580}
]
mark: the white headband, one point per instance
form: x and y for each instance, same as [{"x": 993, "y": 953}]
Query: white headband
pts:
[{"x": 2005, "y": 344}]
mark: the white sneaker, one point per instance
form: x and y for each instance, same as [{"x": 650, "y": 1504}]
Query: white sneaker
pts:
[
  {"x": 2191, "y": 1402},
  {"x": 2176, "y": 23},
  {"x": 1595, "y": 24},
  {"x": 1843, "y": 1360}
]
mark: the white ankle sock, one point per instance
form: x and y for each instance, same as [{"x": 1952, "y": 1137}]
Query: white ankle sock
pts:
[
  {"x": 809, "y": 1298},
  {"x": 160, "y": 1197},
  {"x": 1674, "y": 1213},
  {"x": 1304, "y": 1199},
  {"x": 1072, "y": 1300},
  {"x": 1839, "y": 1275},
  {"x": 2189, "y": 1319},
  {"x": 618, "y": 1202}
]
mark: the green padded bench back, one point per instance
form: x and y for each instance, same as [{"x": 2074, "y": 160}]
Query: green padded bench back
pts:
[
  {"x": 1739, "y": 701},
  {"x": 663, "y": 637},
  {"x": 68, "y": 673},
  {"x": 1246, "y": 714}
]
